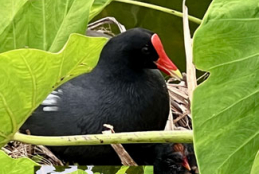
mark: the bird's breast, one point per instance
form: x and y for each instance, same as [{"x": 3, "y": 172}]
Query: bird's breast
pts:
[{"x": 141, "y": 104}]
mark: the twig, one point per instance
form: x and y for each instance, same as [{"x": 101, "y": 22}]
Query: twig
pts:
[
  {"x": 159, "y": 8},
  {"x": 6, "y": 150},
  {"x": 124, "y": 156},
  {"x": 170, "y": 123},
  {"x": 106, "y": 20},
  {"x": 118, "y": 138},
  {"x": 180, "y": 117},
  {"x": 50, "y": 154},
  {"x": 205, "y": 75}
]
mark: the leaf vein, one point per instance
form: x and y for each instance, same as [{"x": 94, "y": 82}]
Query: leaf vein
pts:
[
  {"x": 236, "y": 150},
  {"x": 14, "y": 29},
  {"x": 44, "y": 24},
  {"x": 236, "y": 19},
  {"x": 9, "y": 112},
  {"x": 234, "y": 61},
  {"x": 34, "y": 91},
  {"x": 3, "y": 135},
  {"x": 230, "y": 106},
  {"x": 60, "y": 27},
  {"x": 66, "y": 8}
]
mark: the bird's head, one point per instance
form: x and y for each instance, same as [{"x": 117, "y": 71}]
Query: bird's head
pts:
[
  {"x": 143, "y": 49},
  {"x": 182, "y": 150},
  {"x": 175, "y": 161}
]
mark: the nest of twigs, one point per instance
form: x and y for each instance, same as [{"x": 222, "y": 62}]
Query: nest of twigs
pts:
[
  {"x": 180, "y": 116},
  {"x": 38, "y": 153}
]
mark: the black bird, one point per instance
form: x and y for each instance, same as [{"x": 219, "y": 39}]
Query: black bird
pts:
[
  {"x": 125, "y": 90},
  {"x": 166, "y": 158}
]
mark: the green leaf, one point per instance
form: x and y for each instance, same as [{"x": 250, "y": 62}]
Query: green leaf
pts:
[
  {"x": 75, "y": 21},
  {"x": 255, "y": 168},
  {"x": 16, "y": 166},
  {"x": 79, "y": 171},
  {"x": 225, "y": 107},
  {"x": 32, "y": 74},
  {"x": 148, "y": 170},
  {"x": 135, "y": 170},
  {"x": 106, "y": 169},
  {"x": 44, "y": 25},
  {"x": 123, "y": 170}
]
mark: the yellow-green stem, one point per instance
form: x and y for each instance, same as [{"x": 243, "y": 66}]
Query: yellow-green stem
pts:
[
  {"x": 117, "y": 138},
  {"x": 159, "y": 8}
]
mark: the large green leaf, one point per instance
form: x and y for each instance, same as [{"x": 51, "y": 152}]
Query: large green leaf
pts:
[
  {"x": 45, "y": 24},
  {"x": 225, "y": 107},
  {"x": 255, "y": 168},
  {"x": 29, "y": 75},
  {"x": 15, "y": 166},
  {"x": 168, "y": 27}
]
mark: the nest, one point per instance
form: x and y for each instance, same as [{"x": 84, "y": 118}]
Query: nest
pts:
[
  {"x": 180, "y": 116},
  {"x": 38, "y": 153}
]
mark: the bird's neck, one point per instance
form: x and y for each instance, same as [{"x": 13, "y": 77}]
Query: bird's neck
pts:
[{"x": 117, "y": 69}]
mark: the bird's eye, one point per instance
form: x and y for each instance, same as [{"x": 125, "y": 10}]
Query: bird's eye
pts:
[{"x": 145, "y": 50}]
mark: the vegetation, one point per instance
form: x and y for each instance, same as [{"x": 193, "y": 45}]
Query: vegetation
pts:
[{"x": 42, "y": 48}]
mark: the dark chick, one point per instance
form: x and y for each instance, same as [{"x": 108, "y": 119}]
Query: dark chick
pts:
[
  {"x": 166, "y": 158},
  {"x": 171, "y": 159},
  {"x": 125, "y": 90}
]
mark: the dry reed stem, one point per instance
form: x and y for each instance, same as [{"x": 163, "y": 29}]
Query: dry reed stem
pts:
[{"x": 190, "y": 68}]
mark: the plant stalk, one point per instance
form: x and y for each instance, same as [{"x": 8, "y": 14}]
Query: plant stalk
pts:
[
  {"x": 159, "y": 8},
  {"x": 101, "y": 139}
]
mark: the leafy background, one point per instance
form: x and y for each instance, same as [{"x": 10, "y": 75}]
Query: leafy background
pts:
[{"x": 225, "y": 107}]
